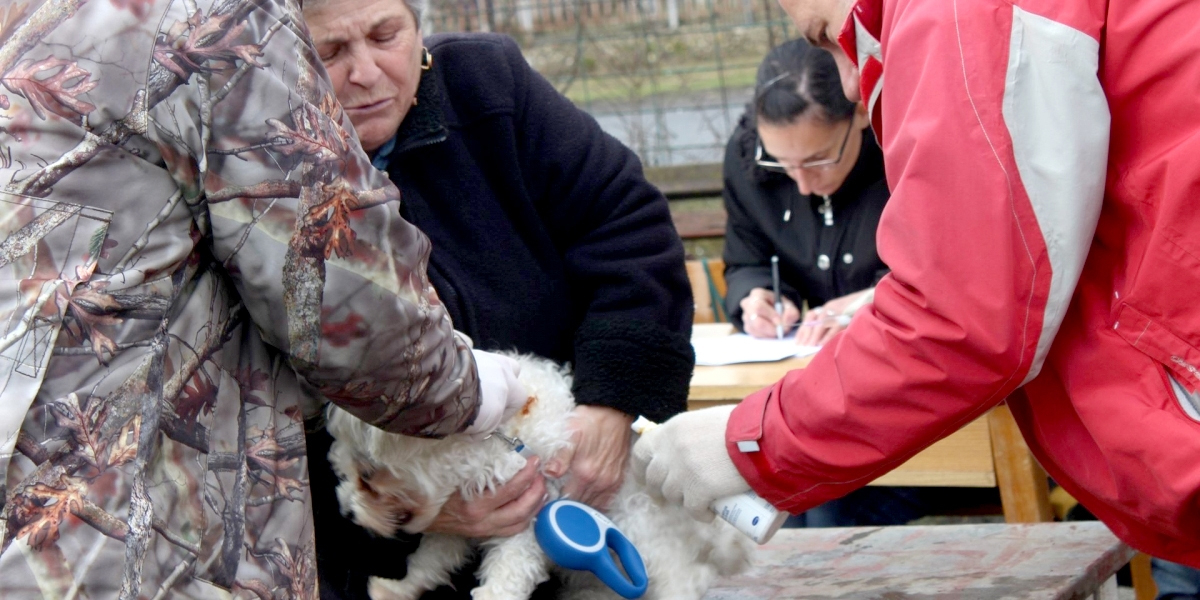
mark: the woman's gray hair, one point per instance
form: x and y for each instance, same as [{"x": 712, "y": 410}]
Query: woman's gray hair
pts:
[{"x": 416, "y": 7}]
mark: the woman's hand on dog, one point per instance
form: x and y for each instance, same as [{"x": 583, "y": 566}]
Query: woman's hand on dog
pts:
[
  {"x": 504, "y": 512},
  {"x": 596, "y": 459}
]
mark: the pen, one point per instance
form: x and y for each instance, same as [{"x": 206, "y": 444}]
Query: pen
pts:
[
  {"x": 841, "y": 320},
  {"x": 778, "y": 296}
]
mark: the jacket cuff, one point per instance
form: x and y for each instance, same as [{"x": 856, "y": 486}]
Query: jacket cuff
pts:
[
  {"x": 745, "y": 441},
  {"x": 636, "y": 367}
]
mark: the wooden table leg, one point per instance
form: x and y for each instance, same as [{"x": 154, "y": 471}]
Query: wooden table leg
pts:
[
  {"x": 1024, "y": 486},
  {"x": 1107, "y": 591},
  {"x": 1144, "y": 587}
]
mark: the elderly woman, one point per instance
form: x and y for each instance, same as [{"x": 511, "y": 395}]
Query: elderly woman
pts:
[{"x": 546, "y": 237}]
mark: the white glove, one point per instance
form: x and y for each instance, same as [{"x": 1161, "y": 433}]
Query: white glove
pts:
[
  {"x": 500, "y": 394},
  {"x": 684, "y": 461}
]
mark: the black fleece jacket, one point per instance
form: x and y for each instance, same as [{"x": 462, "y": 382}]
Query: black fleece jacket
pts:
[
  {"x": 546, "y": 236},
  {"x": 547, "y": 239},
  {"x": 768, "y": 216}
]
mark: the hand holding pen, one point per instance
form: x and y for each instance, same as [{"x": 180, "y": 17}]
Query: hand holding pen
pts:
[{"x": 760, "y": 317}]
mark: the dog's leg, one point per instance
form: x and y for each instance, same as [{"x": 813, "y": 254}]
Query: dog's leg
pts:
[
  {"x": 430, "y": 566},
  {"x": 512, "y": 568},
  {"x": 686, "y": 583}
]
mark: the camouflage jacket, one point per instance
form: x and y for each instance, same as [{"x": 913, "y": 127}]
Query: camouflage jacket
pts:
[{"x": 191, "y": 243}]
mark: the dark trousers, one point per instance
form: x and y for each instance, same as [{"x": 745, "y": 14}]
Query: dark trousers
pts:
[{"x": 1175, "y": 581}]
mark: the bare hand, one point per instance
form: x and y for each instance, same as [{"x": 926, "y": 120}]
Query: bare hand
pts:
[
  {"x": 504, "y": 512},
  {"x": 759, "y": 317},
  {"x": 819, "y": 326},
  {"x": 823, "y": 322},
  {"x": 595, "y": 460}
]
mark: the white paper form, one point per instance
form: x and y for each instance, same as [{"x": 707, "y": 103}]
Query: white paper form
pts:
[{"x": 741, "y": 348}]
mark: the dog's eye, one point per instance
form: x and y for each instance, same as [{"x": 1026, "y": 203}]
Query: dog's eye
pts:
[
  {"x": 402, "y": 518},
  {"x": 364, "y": 483}
]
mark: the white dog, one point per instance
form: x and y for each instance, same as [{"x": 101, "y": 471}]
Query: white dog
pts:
[{"x": 393, "y": 483}]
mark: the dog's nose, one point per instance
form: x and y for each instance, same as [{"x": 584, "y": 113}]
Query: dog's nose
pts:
[{"x": 402, "y": 518}]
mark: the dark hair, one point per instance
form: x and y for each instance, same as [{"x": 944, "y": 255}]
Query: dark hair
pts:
[{"x": 796, "y": 79}]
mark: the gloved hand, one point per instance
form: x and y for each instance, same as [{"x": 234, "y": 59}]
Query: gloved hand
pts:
[
  {"x": 501, "y": 395},
  {"x": 684, "y": 461}
]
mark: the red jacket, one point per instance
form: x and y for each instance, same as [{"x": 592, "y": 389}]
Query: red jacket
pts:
[{"x": 1043, "y": 234}]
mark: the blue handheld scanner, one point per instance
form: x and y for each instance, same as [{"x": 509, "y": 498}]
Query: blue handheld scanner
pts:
[{"x": 576, "y": 536}]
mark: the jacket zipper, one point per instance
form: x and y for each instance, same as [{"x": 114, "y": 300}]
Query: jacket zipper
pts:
[
  {"x": 423, "y": 143},
  {"x": 827, "y": 210}
]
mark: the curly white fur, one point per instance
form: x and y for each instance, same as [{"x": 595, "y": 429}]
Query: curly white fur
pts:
[{"x": 394, "y": 483}]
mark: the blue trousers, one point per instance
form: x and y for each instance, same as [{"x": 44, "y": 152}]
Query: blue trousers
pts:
[
  {"x": 871, "y": 506},
  {"x": 1175, "y": 581}
]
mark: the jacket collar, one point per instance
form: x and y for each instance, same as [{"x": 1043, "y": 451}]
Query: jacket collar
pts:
[
  {"x": 859, "y": 39},
  {"x": 425, "y": 123},
  {"x": 867, "y": 170}
]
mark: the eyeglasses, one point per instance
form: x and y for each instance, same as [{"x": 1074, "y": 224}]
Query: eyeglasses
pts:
[{"x": 767, "y": 162}]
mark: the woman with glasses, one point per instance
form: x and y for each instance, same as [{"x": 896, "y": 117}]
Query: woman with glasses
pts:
[{"x": 804, "y": 182}]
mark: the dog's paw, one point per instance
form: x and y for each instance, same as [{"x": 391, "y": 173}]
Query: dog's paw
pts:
[
  {"x": 379, "y": 588},
  {"x": 490, "y": 594}
]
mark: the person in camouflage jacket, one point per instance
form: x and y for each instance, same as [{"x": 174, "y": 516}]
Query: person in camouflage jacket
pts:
[{"x": 192, "y": 242}]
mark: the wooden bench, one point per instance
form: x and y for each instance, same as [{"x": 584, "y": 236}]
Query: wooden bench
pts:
[
  {"x": 683, "y": 185},
  {"x": 1049, "y": 561},
  {"x": 687, "y": 181},
  {"x": 707, "y": 278}
]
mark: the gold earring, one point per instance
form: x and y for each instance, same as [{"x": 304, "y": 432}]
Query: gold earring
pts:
[{"x": 426, "y": 59}]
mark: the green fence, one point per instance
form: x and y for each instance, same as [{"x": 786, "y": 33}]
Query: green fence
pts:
[{"x": 667, "y": 77}]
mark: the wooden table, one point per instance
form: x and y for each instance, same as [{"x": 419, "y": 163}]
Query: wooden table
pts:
[
  {"x": 731, "y": 383},
  {"x": 1049, "y": 561},
  {"x": 988, "y": 452}
]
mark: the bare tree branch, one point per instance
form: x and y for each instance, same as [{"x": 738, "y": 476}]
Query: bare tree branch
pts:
[
  {"x": 141, "y": 510},
  {"x": 145, "y": 307},
  {"x": 304, "y": 272},
  {"x": 183, "y": 567},
  {"x": 89, "y": 351},
  {"x": 265, "y": 189},
  {"x": 152, "y": 226},
  {"x": 292, "y": 447},
  {"x": 271, "y": 143},
  {"x": 22, "y": 241},
  {"x": 30, "y": 448},
  {"x": 258, "y": 588},
  {"x": 111, "y": 526},
  {"x": 245, "y": 67},
  {"x": 234, "y": 513},
  {"x": 42, "y": 182},
  {"x": 31, "y": 32}
]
